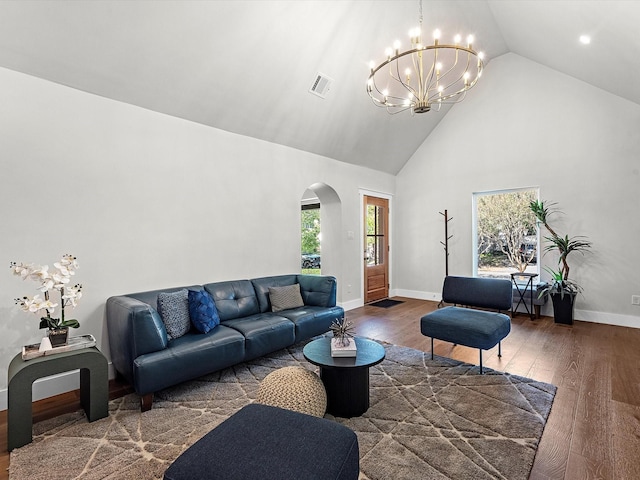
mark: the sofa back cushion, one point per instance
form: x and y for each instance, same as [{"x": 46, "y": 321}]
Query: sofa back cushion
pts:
[
  {"x": 318, "y": 290},
  {"x": 234, "y": 299},
  {"x": 151, "y": 297},
  {"x": 285, "y": 298},
  {"x": 478, "y": 292},
  {"x": 261, "y": 286}
]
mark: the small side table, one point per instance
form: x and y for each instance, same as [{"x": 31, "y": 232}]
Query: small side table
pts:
[
  {"x": 94, "y": 388},
  {"x": 346, "y": 379},
  {"x": 528, "y": 288}
]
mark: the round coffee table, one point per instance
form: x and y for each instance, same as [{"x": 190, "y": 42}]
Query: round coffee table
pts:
[{"x": 346, "y": 379}]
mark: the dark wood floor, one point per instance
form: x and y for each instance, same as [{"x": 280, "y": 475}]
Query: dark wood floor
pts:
[{"x": 593, "y": 431}]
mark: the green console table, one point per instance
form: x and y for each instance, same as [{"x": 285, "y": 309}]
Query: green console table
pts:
[{"x": 94, "y": 388}]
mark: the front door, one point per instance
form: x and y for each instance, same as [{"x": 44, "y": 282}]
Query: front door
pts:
[{"x": 376, "y": 248}]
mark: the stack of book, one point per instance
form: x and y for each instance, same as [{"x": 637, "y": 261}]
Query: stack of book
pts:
[{"x": 340, "y": 350}]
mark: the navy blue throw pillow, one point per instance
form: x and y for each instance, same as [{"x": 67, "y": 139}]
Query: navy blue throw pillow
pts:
[{"x": 203, "y": 311}]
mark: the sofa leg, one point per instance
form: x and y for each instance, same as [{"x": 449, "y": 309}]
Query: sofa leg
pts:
[
  {"x": 499, "y": 349},
  {"x": 431, "y": 348},
  {"x": 146, "y": 401},
  {"x": 537, "y": 310},
  {"x": 480, "y": 361}
]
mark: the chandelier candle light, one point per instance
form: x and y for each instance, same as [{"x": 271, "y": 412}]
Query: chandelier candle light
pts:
[{"x": 424, "y": 76}]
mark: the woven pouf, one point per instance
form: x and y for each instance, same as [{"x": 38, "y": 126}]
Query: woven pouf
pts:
[{"x": 294, "y": 388}]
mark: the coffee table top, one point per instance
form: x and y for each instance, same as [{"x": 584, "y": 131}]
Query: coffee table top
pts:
[{"x": 369, "y": 353}]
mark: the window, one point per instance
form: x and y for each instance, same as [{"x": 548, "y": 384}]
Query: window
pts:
[
  {"x": 310, "y": 237},
  {"x": 375, "y": 235},
  {"x": 505, "y": 233}
]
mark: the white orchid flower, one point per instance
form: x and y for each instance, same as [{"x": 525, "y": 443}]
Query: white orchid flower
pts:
[
  {"x": 67, "y": 265},
  {"x": 35, "y": 304},
  {"x": 49, "y": 306},
  {"x": 21, "y": 269},
  {"x": 63, "y": 269},
  {"x": 59, "y": 280},
  {"x": 46, "y": 285},
  {"x": 72, "y": 295},
  {"x": 40, "y": 273}
]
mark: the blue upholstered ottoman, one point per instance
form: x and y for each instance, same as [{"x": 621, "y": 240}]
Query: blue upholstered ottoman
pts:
[{"x": 261, "y": 442}]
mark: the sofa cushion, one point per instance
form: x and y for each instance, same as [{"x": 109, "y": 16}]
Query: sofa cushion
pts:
[
  {"x": 174, "y": 310},
  {"x": 318, "y": 290},
  {"x": 202, "y": 311},
  {"x": 188, "y": 357},
  {"x": 261, "y": 286},
  {"x": 151, "y": 297},
  {"x": 466, "y": 326},
  {"x": 492, "y": 293},
  {"x": 234, "y": 299},
  {"x": 285, "y": 298},
  {"x": 312, "y": 321},
  {"x": 264, "y": 333}
]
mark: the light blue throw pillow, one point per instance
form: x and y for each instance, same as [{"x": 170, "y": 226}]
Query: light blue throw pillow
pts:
[{"x": 174, "y": 311}]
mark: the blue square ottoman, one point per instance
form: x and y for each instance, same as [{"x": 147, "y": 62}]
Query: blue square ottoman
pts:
[{"x": 261, "y": 442}]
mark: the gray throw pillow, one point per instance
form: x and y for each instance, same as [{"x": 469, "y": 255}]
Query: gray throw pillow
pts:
[
  {"x": 174, "y": 311},
  {"x": 284, "y": 298}
]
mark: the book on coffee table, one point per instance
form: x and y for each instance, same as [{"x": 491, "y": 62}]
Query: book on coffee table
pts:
[
  {"x": 74, "y": 343},
  {"x": 340, "y": 350}
]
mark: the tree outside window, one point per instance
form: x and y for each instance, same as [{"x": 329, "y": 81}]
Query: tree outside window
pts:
[
  {"x": 310, "y": 239},
  {"x": 506, "y": 239}
]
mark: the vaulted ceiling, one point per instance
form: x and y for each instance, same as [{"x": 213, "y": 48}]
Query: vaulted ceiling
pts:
[{"x": 247, "y": 66}]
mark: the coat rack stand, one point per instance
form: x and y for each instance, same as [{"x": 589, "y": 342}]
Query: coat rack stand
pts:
[{"x": 447, "y": 237}]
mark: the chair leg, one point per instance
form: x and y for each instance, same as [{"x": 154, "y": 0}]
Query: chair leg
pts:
[
  {"x": 431, "y": 348},
  {"x": 480, "y": 361},
  {"x": 500, "y": 349}
]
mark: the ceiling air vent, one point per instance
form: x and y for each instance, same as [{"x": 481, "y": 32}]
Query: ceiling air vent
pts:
[{"x": 321, "y": 85}]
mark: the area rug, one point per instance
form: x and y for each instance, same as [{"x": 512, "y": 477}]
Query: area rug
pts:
[
  {"x": 428, "y": 419},
  {"x": 386, "y": 303}
]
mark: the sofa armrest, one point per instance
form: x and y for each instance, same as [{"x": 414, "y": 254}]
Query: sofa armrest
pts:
[{"x": 134, "y": 328}]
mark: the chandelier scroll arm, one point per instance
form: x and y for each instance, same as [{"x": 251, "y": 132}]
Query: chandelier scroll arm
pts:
[
  {"x": 407, "y": 86},
  {"x": 451, "y": 83}
]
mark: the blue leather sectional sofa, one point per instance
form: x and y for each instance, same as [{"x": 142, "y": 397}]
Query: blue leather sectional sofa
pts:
[{"x": 149, "y": 361}]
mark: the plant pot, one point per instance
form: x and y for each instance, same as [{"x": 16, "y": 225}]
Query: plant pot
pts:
[
  {"x": 58, "y": 337},
  {"x": 563, "y": 308}
]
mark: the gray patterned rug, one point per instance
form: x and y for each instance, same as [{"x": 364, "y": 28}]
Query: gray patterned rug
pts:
[{"x": 429, "y": 419}]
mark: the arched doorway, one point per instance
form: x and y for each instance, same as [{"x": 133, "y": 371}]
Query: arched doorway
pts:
[{"x": 330, "y": 227}]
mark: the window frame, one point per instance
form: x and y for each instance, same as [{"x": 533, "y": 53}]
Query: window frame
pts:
[{"x": 474, "y": 230}]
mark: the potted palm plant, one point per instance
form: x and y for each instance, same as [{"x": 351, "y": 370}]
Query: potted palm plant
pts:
[{"x": 561, "y": 288}]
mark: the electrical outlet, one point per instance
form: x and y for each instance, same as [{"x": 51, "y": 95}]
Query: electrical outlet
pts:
[{"x": 635, "y": 299}]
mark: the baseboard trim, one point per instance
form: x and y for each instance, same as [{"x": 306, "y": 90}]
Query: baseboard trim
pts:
[
  {"x": 419, "y": 295},
  {"x": 351, "y": 304},
  {"x": 616, "y": 319}
]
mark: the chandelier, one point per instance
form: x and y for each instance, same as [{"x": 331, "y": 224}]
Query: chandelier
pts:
[{"x": 424, "y": 76}]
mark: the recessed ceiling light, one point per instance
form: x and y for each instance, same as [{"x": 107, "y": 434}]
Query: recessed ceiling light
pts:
[{"x": 585, "y": 39}]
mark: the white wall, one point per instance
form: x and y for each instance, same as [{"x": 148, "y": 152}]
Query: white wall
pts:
[
  {"x": 525, "y": 125},
  {"x": 146, "y": 201}
]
